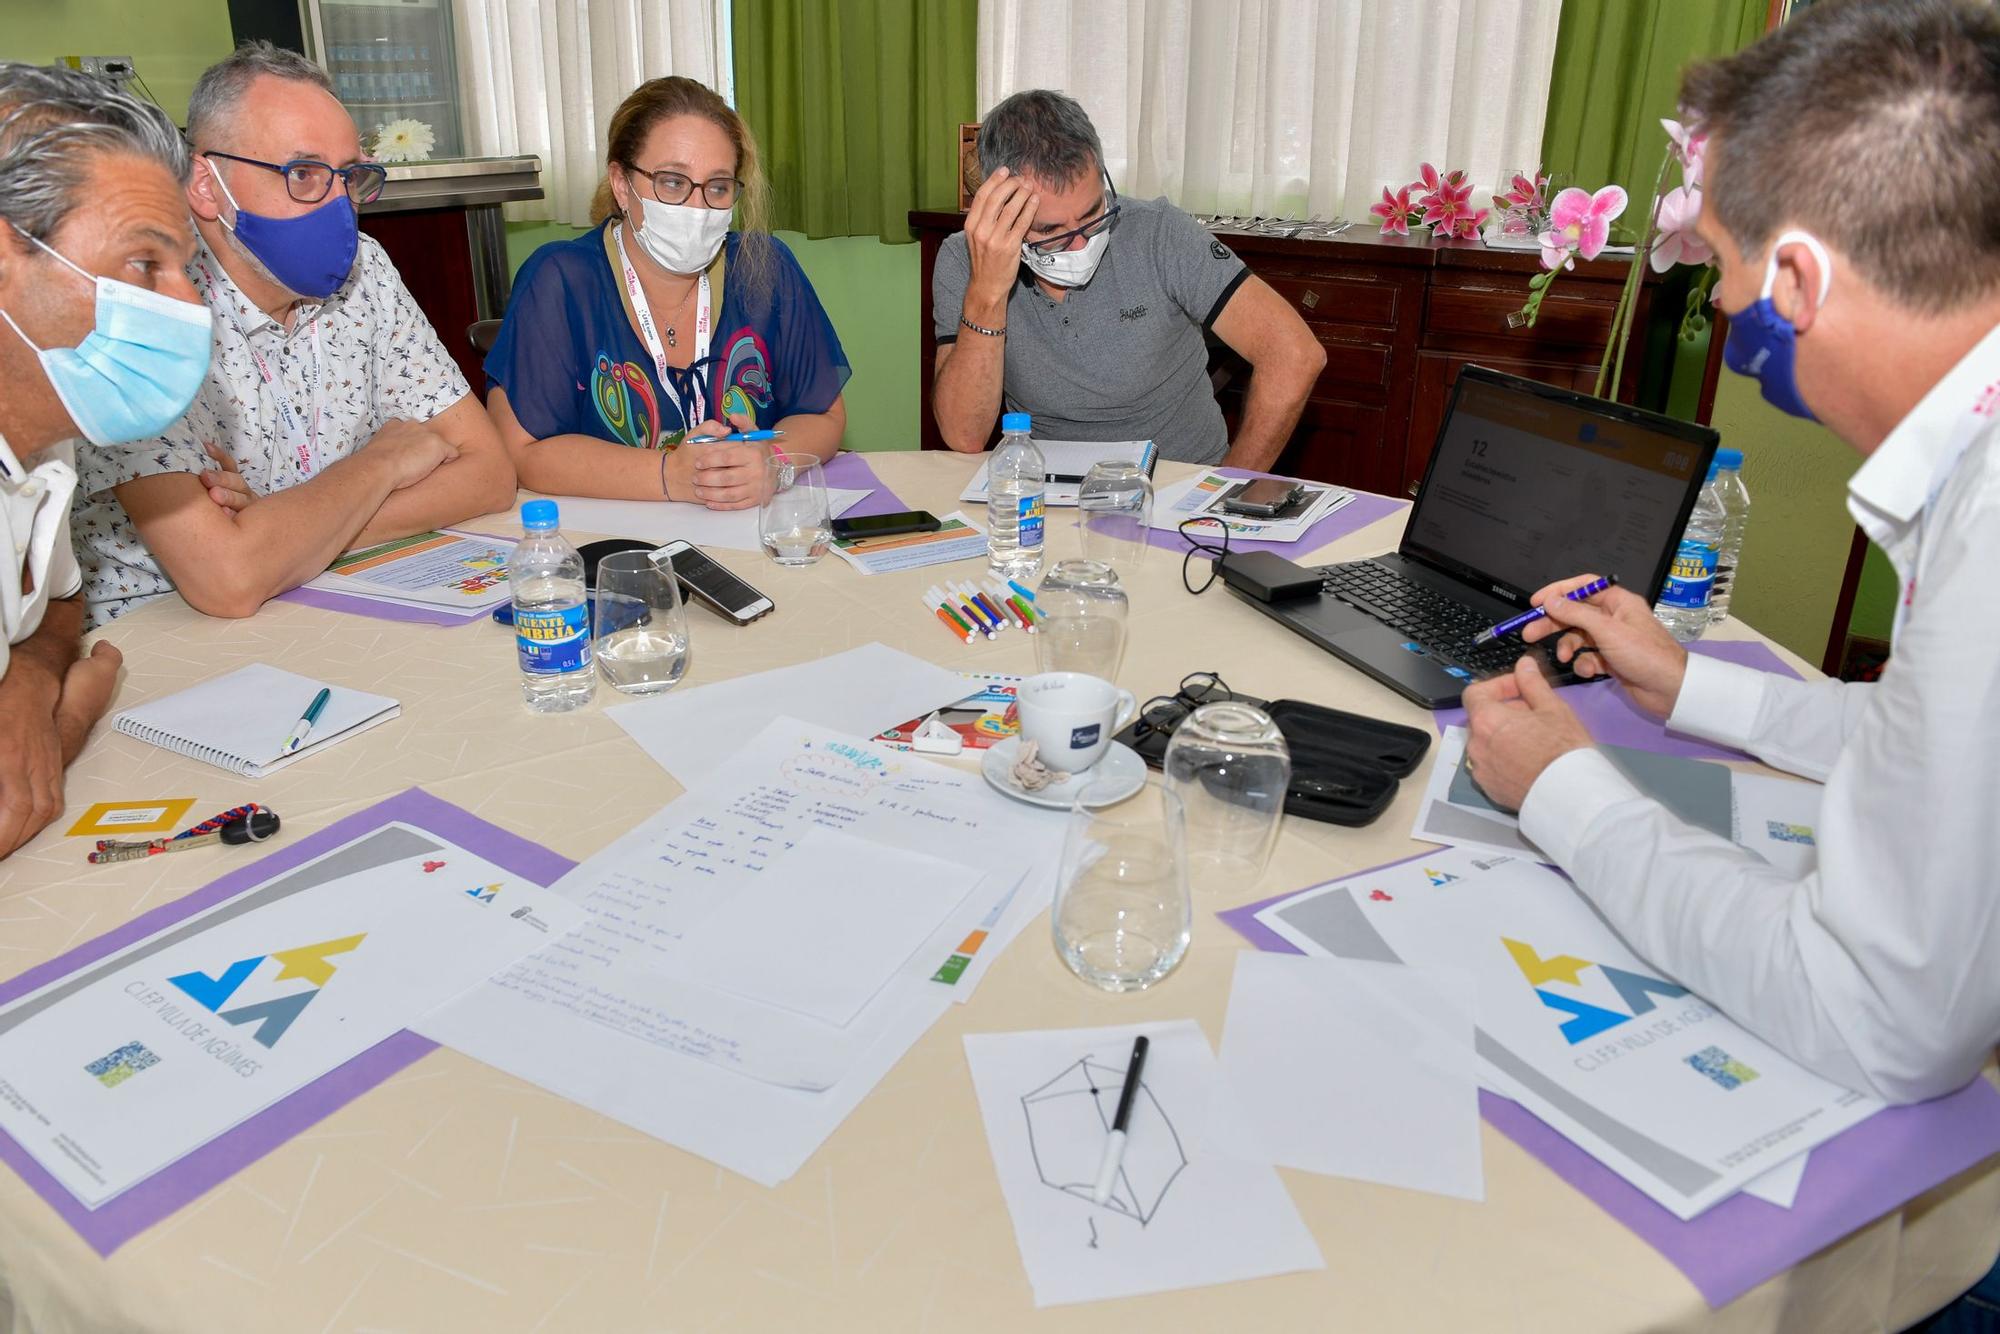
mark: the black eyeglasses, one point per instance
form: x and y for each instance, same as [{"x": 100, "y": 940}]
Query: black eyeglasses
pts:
[
  {"x": 672, "y": 187},
  {"x": 1163, "y": 713},
  {"x": 309, "y": 180},
  {"x": 1054, "y": 245}
]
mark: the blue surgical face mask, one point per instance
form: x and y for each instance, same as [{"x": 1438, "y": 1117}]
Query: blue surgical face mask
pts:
[
  {"x": 311, "y": 254},
  {"x": 1763, "y": 345},
  {"x": 136, "y": 371}
]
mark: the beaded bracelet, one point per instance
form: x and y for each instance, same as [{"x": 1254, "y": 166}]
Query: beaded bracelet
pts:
[{"x": 981, "y": 329}]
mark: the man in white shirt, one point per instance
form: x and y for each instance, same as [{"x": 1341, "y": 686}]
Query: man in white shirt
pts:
[
  {"x": 100, "y": 336},
  {"x": 332, "y": 417},
  {"x": 1851, "y": 199}
]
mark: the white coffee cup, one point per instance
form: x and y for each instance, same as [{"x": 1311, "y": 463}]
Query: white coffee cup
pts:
[{"x": 1070, "y": 717}]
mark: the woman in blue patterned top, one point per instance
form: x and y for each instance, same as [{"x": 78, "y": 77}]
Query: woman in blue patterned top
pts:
[{"x": 617, "y": 342}]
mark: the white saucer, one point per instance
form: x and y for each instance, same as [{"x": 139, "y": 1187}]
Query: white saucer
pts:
[{"x": 1121, "y": 768}]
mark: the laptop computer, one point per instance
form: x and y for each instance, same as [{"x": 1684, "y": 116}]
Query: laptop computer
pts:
[{"x": 1528, "y": 484}]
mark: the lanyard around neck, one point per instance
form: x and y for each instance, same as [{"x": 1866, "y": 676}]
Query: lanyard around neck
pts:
[
  {"x": 693, "y": 405},
  {"x": 301, "y": 437}
]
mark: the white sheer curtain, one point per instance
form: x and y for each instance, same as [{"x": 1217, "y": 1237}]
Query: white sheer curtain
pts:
[
  {"x": 1285, "y": 106},
  {"x": 544, "y": 76}
]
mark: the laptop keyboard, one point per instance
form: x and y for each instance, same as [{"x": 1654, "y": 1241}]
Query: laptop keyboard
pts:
[{"x": 1443, "y": 626}]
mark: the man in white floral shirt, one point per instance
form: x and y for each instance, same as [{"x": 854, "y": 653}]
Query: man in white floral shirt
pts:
[{"x": 332, "y": 417}]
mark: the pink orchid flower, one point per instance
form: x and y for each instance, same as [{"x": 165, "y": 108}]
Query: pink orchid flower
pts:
[
  {"x": 1582, "y": 222},
  {"x": 1677, "y": 243},
  {"x": 1690, "y": 146},
  {"x": 1394, "y": 210}
]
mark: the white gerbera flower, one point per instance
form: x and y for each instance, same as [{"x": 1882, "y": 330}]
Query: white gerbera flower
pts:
[{"x": 404, "y": 140}]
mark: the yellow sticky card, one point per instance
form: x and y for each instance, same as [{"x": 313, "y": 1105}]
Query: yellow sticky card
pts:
[{"x": 132, "y": 817}]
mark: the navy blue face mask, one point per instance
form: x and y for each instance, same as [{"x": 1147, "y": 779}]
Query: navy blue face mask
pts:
[
  {"x": 310, "y": 254},
  {"x": 1763, "y": 344}
]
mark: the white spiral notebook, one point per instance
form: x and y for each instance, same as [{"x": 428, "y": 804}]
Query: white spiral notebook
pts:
[{"x": 241, "y": 721}]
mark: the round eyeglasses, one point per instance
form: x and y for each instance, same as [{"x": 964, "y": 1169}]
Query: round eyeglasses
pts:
[
  {"x": 309, "y": 180},
  {"x": 673, "y": 187}
]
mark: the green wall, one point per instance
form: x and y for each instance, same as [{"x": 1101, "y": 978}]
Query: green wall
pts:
[
  {"x": 170, "y": 41},
  {"x": 870, "y": 293},
  {"x": 1795, "y": 547}
]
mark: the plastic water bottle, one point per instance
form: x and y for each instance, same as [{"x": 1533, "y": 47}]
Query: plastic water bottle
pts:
[
  {"x": 551, "y": 614},
  {"x": 1736, "y": 513},
  {"x": 1015, "y": 487},
  {"x": 1683, "y": 607}
]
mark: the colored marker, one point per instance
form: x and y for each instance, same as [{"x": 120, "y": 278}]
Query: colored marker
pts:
[
  {"x": 936, "y": 602},
  {"x": 1114, "y": 1143},
  {"x": 1013, "y": 613},
  {"x": 992, "y": 610},
  {"x": 1022, "y": 591},
  {"x": 980, "y": 604},
  {"x": 1533, "y": 614},
  {"x": 963, "y": 636}
]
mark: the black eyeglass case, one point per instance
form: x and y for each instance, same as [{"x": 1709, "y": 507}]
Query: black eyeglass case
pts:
[{"x": 1346, "y": 767}]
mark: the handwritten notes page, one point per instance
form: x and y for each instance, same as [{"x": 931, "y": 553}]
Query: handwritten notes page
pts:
[{"x": 631, "y": 1004}]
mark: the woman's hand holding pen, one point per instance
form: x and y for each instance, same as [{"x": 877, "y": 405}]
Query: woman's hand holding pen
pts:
[
  {"x": 725, "y": 475},
  {"x": 1616, "y": 632}
]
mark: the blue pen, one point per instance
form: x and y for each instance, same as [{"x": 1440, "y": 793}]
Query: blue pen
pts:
[
  {"x": 1024, "y": 592},
  {"x": 303, "y": 728},
  {"x": 1529, "y": 617},
  {"x": 748, "y": 437}
]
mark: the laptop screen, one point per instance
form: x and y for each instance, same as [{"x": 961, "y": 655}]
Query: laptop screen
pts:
[{"x": 1530, "y": 484}]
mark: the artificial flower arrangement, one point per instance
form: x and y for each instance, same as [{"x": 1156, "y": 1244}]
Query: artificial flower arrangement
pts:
[{"x": 1445, "y": 206}]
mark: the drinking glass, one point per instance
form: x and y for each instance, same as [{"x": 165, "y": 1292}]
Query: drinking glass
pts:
[
  {"x": 1229, "y": 765},
  {"x": 1082, "y": 609},
  {"x": 1123, "y": 917},
  {"x": 641, "y": 634},
  {"x": 1115, "y": 509},
  {"x": 793, "y": 523}
]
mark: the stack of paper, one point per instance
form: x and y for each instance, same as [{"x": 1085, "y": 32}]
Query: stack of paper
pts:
[
  {"x": 1772, "y": 817},
  {"x": 669, "y": 520},
  {"x": 460, "y": 571},
  {"x": 768, "y": 946},
  {"x": 1648, "y": 1078},
  {"x": 954, "y": 539},
  {"x": 1202, "y": 497}
]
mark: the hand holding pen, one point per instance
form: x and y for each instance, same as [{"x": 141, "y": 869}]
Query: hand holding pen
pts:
[
  {"x": 1527, "y": 618},
  {"x": 1614, "y": 634}
]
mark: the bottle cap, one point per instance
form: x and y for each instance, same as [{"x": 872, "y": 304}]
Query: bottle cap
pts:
[
  {"x": 1729, "y": 460},
  {"x": 1016, "y": 421},
  {"x": 539, "y": 515}
]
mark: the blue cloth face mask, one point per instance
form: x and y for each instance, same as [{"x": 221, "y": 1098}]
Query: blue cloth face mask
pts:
[
  {"x": 311, "y": 254},
  {"x": 1763, "y": 345},
  {"x": 136, "y": 371}
]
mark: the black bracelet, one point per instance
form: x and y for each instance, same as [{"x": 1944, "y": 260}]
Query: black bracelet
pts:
[
  {"x": 1001, "y": 332},
  {"x": 664, "y": 493}
]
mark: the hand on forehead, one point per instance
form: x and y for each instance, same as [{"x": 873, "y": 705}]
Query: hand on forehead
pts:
[{"x": 1066, "y": 207}]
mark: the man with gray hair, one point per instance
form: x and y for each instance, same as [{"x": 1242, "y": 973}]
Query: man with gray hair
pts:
[
  {"x": 1089, "y": 311},
  {"x": 332, "y": 417},
  {"x": 104, "y": 339}
]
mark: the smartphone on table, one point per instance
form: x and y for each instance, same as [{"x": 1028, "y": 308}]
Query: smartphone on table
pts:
[{"x": 885, "y": 525}]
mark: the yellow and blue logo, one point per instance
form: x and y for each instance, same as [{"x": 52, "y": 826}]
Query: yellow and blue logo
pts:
[{"x": 308, "y": 963}]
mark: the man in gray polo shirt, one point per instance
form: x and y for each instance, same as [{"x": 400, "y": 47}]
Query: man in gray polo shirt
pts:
[{"x": 1089, "y": 311}]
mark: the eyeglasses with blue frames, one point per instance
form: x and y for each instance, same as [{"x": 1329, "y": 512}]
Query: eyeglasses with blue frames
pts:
[
  {"x": 309, "y": 180},
  {"x": 673, "y": 187},
  {"x": 1055, "y": 245}
]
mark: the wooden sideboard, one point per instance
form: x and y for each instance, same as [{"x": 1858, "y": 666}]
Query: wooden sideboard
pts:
[{"x": 1397, "y": 318}]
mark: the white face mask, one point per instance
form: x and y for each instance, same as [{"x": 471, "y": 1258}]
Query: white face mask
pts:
[
  {"x": 32, "y": 508},
  {"x": 1068, "y": 268},
  {"x": 682, "y": 238}
]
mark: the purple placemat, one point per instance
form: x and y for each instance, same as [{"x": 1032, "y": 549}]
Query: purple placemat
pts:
[
  {"x": 381, "y": 611},
  {"x": 119, "y": 1220},
  {"x": 1614, "y": 720},
  {"x": 852, "y": 472},
  {"x": 1850, "y": 1181},
  {"x": 1356, "y": 514}
]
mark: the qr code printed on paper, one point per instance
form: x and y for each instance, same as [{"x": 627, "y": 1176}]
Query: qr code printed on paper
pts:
[
  {"x": 1721, "y": 1067},
  {"x": 121, "y": 1065},
  {"x": 1790, "y": 833}
]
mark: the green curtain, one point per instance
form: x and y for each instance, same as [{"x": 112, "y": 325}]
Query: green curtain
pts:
[
  {"x": 856, "y": 105},
  {"x": 1617, "y": 72}
]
